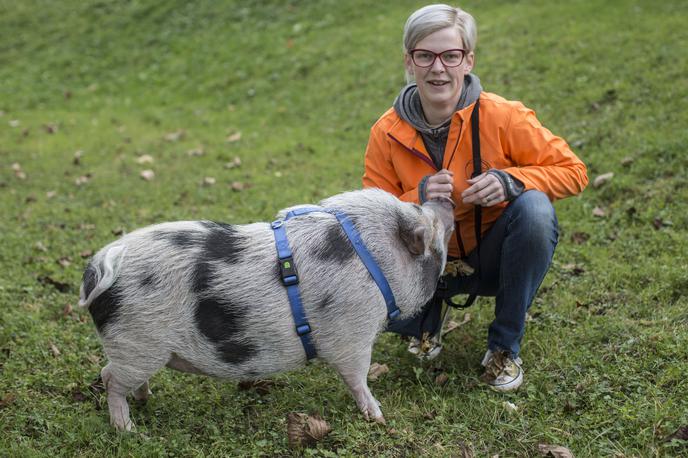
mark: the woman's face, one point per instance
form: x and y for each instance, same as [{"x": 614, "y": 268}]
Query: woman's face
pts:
[{"x": 439, "y": 85}]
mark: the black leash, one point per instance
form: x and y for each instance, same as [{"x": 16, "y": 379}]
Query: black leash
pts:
[{"x": 478, "y": 210}]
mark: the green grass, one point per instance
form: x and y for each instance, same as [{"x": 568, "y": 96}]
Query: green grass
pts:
[{"x": 605, "y": 352}]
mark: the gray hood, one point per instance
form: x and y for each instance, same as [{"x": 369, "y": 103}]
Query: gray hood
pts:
[{"x": 408, "y": 106}]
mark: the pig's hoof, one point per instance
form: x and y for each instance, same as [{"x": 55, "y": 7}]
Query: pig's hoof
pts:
[
  {"x": 122, "y": 425},
  {"x": 380, "y": 420}
]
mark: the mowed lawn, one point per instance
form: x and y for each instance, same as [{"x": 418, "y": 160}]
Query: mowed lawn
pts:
[{"x": 115, "y": 115}]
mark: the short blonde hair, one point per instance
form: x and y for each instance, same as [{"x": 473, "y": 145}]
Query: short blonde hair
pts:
[{"x": 433, "y": 18}]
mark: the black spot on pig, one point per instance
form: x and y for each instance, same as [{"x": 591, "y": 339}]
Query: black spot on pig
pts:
[
  {"x": 180, "y": 239},
  {"x": 89, "y": 280},
  {"x": 220, "y": 322},
  {"x": 223, "y": 242},
  {"x": 325, "y": 302},
  {"x": 105, "y": 308},
  {"x": 202, "y": 276},
  {"x": 337, "y": 246}
]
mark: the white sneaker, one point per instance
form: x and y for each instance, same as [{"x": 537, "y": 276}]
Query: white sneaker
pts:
[{"x": 502, "y": 373}]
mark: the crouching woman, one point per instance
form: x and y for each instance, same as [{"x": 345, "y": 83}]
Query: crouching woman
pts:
[{"x": 446, "y": 137}]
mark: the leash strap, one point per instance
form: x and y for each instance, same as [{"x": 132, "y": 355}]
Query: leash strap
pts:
[{"x": 290, "y": 277}]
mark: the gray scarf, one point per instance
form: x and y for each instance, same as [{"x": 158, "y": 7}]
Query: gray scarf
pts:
[{"x": 408, "y": 107}]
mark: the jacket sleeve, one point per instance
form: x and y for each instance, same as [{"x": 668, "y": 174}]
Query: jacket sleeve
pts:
[
  {"x": 379, "y": 169},
  {"x": 543, "y": 161}
]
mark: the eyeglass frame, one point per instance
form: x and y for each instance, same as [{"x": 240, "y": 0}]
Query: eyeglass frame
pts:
[{"x": 436, "y": 55}]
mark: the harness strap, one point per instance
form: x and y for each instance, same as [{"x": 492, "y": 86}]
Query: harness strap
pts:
[{"x": 290, "y": 277}]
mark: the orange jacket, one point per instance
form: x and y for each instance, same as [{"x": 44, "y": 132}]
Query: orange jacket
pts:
[{"x": 511, "y": 139}]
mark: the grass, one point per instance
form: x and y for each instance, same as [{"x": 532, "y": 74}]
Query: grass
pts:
[{"x": 606, "y": 348}]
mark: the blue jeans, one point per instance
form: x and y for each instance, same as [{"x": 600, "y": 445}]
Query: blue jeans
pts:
[{"x": 515, "y": 255}]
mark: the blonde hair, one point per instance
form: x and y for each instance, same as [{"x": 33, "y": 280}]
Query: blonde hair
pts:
[{"x": 433, "y": 18}]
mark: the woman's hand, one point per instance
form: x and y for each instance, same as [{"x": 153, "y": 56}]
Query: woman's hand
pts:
[
  {"x": 485, "y": 190},
  {"x": 439, "y": 185}
]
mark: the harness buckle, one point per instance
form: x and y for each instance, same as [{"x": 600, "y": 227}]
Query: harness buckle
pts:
[
  {"x": 288, "y": 271},
  {"x": 303, "y": 329},
  {"x": 277, "y": 224}
]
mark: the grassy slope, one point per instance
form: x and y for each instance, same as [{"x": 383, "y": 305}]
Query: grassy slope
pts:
[{"x": 605, "y": 352}]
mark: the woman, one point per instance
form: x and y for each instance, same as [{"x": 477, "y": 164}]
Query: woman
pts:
[{"x": 446, "y": 137}]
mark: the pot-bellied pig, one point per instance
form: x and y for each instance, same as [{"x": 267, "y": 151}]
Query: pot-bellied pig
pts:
[{"x": 208, "y": 298}]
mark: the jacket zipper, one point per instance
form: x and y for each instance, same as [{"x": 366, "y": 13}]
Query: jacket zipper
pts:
[{"x": 421, "y": 156}]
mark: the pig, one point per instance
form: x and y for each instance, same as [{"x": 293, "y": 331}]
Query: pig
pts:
[{"x": 207, "y": 297}]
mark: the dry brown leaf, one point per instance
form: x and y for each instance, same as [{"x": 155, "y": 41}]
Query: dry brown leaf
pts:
[
  {"x": 41, "y": 247},
  {"x": 54, "y": 350},
  {"x": 441, "y": 379},
  {"x": 147, "y": 174},
  {"x": 236, "y": 162},
  {"x": 50, "y": 194},
  {"x": 7, "y": 399},
  {"x": 458, "y": 268},
  {"x": 196, "y": 151},
  {"x": 554, "y": 451},
  {"x": 174, "y": 136},
  {"x": 208, "y": 181},
  {"x": 144, "y": 159},
  {"x": 599, "y": 212},
  {"x": 510, "y": 407},
  {"x": 67, "y": 309},
  {"x": 50, "y": 128},
  {"x": 86, "y": 254},
  {"x": 626, "y": 161},
  {"x": 376, "y": 370},
  {"x": 77, "y": 157},
  {"x": 64, "y": 261},
  {"x": 304, "y": 430},
  {"x": 235, "y": 137},
  {"x": 603, "y": 179},
  {"x": 238, "y": 186},
  {"x": 680, "y": 434},
  {"x": 580, "y": 237},
  {"x": 83, "y": 179}
]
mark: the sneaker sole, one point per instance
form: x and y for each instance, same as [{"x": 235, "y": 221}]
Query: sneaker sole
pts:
[{"x": 509, "y": 386}]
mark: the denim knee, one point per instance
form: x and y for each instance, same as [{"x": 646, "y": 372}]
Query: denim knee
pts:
[{"x": 533, "y": 212}]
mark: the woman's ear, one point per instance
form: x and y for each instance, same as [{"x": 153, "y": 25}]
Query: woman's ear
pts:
[
  {"x": 408, "y": 63},
  {"x": 469, "y": 62}
]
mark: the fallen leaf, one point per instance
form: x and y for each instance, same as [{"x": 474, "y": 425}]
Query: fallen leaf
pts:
[
  {"x": 458, "y": 268},
  {"x": 580, "y": 237},
  {"x": 7, "y": 399},
  {"x": 144, "y": 159},
  {"x": 659, "y": 223},
  {"x": 510, "y": 407},
  {"x": 67, "y": 309},
  {"x": 452, "y": 325},
  {"x": 86, "y": 254},
  {"x": 599, "y": 212},
  {"x": 573, "y": 268},
  {"x": 680, "y": 434},
  {"x": 118, "y": 231},
  {"x": 54, "y": 350},
  {"x": 148, "y": 174},
  {"x": 238, "y": 186},
  {"x": 64, "y": 261},
  {"x": 235, "y": 137},
  {"x": 208, "y": 181},
  {"x": 236, "y": 162},
  {"x": 58, "y": 285},
  {"x": 304, "y": 430},
  {"x": 174, "y": 136},
  {"x": 14, "y": 123},
  {"x": 626, "y": 161},
  {"x": 40, "y": 247},
  {"x": 50, "y": 128},
  {"x": 83, "y": 179},
  {"x": 78, "y": 396},
  {"x": 554, "y": 451},
  {"x": 16, "y": 167},
  {"x": 376, "y": 370},
  {"x": 196, "y": 151},
  {"x": 50, "y": 194},
  {"x": 603, "y": 179},
  {"x": 441, "y": 379}
]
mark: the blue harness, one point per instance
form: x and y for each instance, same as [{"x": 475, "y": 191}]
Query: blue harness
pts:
[{"x": 290, "y": 277}]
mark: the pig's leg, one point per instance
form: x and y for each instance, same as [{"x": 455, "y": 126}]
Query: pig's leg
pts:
[
  {"x": 141, "y": 393},
  {"x": 117, "y": 400},
  {"x": 354, "y": 372}
]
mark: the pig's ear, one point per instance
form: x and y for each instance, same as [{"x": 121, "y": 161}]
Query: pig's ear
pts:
[{"x": 413, "y": 238}]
